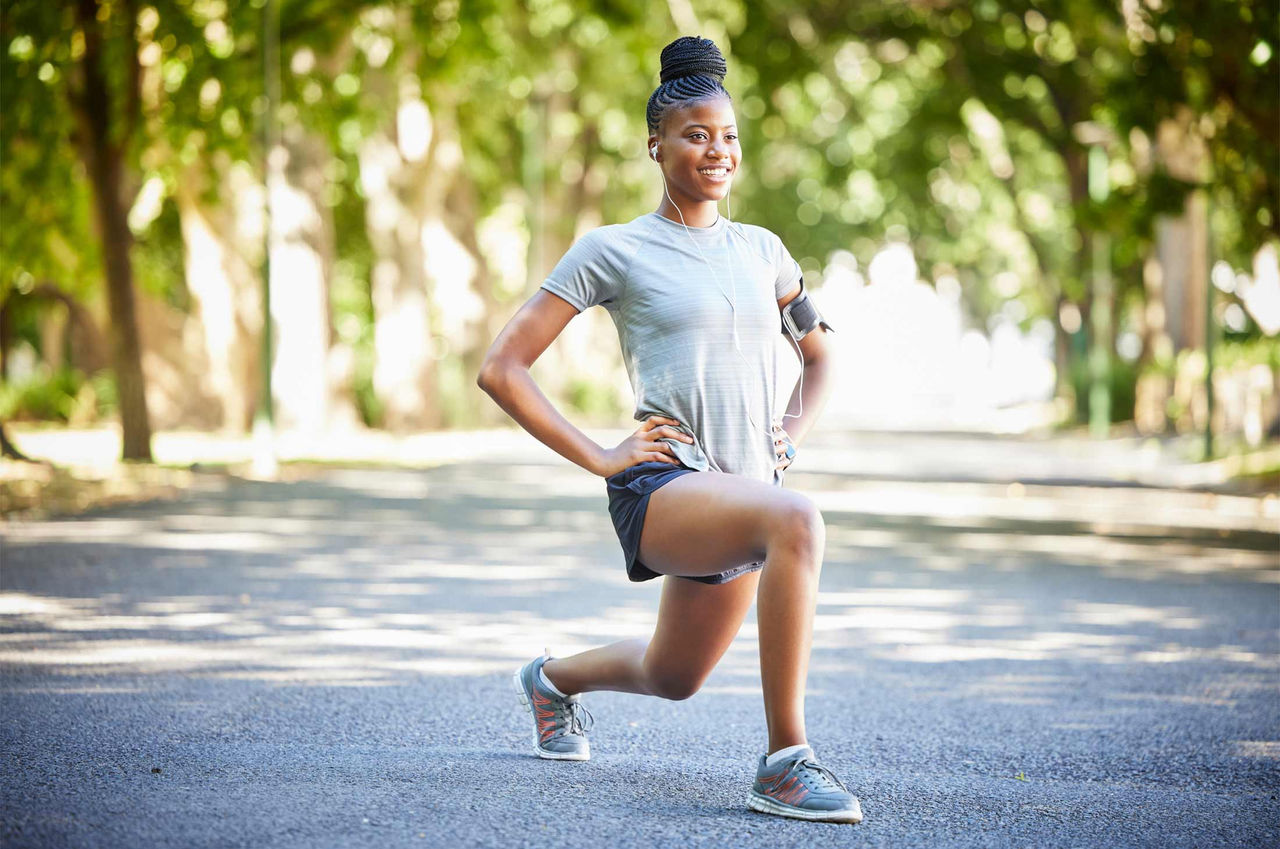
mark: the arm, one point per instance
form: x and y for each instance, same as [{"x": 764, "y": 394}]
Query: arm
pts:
[
  {"x": 505, "y": 377},
  {"x": 816, "y": 383}
]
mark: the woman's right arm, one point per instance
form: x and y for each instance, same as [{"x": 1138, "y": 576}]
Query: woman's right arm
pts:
[{"x": 505, "y": 377}]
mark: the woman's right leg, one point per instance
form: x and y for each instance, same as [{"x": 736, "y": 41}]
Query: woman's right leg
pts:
[{"x": 705, "y": 523}]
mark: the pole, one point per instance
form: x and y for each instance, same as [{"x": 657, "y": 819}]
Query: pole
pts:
[
  {"x": 264, "y": 455},
  {"x": 1100, "y": 314},
  {"x": 1209, "y": 328}
]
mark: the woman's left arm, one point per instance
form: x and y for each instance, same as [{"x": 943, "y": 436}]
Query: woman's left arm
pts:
[{"x": 810, "y": 394}]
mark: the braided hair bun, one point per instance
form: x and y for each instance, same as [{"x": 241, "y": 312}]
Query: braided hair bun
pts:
[
  {"x": 693, "y": 69},
  {"x": 691, "y": 55}
]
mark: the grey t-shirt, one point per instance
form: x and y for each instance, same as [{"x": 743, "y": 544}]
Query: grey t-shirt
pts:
[{"x": 669, "y": 291}]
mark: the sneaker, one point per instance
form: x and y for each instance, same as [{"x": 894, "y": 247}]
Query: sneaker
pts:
[
  {"x": 560, "y": 724},
  {"x": 801, "y": 787}
]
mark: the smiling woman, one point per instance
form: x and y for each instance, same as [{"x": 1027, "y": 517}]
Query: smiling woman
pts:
[{"x": 695, "y": 493}]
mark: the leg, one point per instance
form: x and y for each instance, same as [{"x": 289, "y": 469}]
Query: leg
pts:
[
  {"x": 705, "y": 523},
  {"x": 708, "y": 522},
  {"x": 696, "y": 624}
]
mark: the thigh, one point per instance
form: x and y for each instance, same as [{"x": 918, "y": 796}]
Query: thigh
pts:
[
  {"x": 696, "y": 624},
  {"x": 704, "y": 523}
]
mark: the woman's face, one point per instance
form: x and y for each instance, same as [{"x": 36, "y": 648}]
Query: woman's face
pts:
[{"x": 698, "y": 150}]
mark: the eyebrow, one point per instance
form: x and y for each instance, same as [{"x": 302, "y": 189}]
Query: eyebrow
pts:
[{"x": 708, "y": 126}]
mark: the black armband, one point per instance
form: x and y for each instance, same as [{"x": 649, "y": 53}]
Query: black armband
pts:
[{"x": 800, "y": 317}]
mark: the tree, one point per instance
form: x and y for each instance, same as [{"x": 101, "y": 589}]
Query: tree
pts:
[{"x": 97, "y": 64}]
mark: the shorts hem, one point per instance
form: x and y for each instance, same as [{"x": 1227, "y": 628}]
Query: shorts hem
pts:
[{"x": 628, "y": 522}]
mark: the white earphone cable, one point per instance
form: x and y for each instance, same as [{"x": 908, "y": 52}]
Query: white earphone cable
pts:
[{"x": 733, "y": 308}]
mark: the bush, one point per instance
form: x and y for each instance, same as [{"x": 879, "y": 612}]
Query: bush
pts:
[
  {"x": 1122, "y": 382},
  {"x": 65, "y": 396}
]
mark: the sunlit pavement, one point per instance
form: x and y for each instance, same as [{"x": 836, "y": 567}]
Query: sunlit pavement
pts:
[{"x": 1018, "y": 643}]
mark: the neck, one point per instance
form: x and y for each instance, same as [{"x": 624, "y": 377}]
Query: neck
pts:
[{"x": 695, "y": 213}]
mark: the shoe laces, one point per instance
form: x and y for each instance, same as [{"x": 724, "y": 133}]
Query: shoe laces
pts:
[
  {"x": 574, "y": 716},
  {"x": 824, "y": 775}
]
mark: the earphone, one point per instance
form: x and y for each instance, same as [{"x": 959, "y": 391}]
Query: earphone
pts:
[{"x": 653, "y": 154}]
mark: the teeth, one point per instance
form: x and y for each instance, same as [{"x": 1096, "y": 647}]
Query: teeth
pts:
[{"x": 713, "y": 171}]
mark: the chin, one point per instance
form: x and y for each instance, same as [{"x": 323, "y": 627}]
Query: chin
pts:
[{"x": 719, "y": 192}]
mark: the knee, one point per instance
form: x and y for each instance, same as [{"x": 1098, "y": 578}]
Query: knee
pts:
[
  {"x": 675, "y": 688},
  {"x": 673, "y": 684},
  {"x": 798, "y": 527}
]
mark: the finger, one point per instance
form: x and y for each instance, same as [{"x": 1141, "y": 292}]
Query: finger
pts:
[
  {"x": 661, "y": 458},
  {"x": 665, "y": 432}
]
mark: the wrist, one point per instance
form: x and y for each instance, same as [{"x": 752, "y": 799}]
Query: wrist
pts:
[{"x": 596, "y": 460}]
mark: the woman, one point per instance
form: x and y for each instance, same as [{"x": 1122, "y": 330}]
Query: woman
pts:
[{"x": 695, "y": 493}]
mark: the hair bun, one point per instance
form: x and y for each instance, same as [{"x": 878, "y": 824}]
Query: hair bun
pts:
[{"x": 692, "y": 54}]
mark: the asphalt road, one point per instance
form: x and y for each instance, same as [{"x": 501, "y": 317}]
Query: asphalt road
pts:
[{"x": 325, "y": 662}]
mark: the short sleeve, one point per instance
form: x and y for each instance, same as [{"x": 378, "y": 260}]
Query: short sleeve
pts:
[
  {"x": 591, "y": 272},
  {"x": 787, "y": 268}
]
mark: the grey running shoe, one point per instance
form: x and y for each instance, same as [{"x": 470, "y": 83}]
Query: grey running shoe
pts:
[
  {"x": 801, "y": 787},
  {"x": 560, "y": 725}
]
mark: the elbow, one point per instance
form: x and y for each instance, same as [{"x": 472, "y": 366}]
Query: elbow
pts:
[
  {"x": 491, "y": 376},
  {"x": 485, "y": 379}
]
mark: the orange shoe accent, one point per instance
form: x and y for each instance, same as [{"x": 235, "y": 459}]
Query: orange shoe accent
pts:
[
  {"x": 771, "y": 784},
  {"x": 544, "y": 716},
  {"x": 796, "y": 795}
]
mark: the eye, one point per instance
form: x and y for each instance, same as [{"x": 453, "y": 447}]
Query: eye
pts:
[
  {"x": 698, "y": 136},
  {"x": 731, "y": 136}
]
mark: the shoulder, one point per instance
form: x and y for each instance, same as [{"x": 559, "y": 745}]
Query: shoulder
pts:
[
  {"x": 763, "y": 241},
  {"x": 616, "y": 239},
  {"x": 756, "y": 232}
]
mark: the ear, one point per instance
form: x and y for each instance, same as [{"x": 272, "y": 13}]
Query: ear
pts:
[{"x": 654, "y": 149}]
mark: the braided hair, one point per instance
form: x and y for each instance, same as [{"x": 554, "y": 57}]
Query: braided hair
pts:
[{"x": 692, "y": 69}]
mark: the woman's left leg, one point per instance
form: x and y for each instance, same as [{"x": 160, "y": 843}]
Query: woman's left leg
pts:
[{"x": 696, "y": 624}]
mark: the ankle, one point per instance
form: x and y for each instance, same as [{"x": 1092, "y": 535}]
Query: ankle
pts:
[
  {"x": 789, "y": 742},
  {"x": 782, "y": 753},
  {"x": 549, "y": 674}
]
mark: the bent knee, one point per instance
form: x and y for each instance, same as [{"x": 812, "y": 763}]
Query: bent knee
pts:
[
  {"x": 674, "y": 688},
  {"x": 798, "y": 525}
]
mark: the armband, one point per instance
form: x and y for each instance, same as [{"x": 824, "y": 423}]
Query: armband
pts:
[{"x": 800, "y": 316}]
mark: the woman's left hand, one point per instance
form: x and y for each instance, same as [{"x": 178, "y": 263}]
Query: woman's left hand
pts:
[{"x": 783, "y": 448}]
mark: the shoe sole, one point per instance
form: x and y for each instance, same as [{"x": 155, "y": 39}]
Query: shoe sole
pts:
[
  {"x": 541, "y": 752},
  {"x": 765, "y": 805}
]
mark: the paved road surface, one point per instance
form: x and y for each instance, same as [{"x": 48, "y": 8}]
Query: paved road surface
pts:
[{"x": 1053, "y": 662}]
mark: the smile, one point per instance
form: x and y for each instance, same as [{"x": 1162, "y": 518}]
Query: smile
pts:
[{"x": 714, "y": 172}]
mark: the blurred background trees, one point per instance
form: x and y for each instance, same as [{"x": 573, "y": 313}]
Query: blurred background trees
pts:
[{"x": 1090, "y": 183}]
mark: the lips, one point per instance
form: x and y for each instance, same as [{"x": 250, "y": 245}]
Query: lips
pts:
[{"x": 716, "y": 173}]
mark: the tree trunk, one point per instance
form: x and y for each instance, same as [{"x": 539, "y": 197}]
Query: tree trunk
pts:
[
  {"x": 7, "y": 448},
  {"x": 104, "y": 162},
  {"x": 406, "y": 172},
  {"x": 302, "y": 246},
  {"x": 221, "y": 277}
]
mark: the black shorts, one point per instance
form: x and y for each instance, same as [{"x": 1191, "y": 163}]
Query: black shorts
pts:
[{"x": 629, "y": 492}]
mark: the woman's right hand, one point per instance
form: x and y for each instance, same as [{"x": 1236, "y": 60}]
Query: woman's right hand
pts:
[{"x": 643, "y": 446}]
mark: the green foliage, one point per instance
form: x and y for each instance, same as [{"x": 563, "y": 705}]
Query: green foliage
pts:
[
  {"x": 593, "y": 400},
  {"x": 65, "y": 395},
  {"x": 45, "y": 198},
  {"x": 956, "y": 126},
  {"x": 1122, "y": 383},
  {"x": 1248, "y": 352}
]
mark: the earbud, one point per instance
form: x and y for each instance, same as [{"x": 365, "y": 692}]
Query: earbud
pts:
[{"x": 653, "y": 151}]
